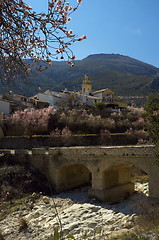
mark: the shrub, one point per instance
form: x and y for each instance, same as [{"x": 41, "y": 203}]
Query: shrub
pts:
[
  {"x": 140, "y": 134},
  {"x": 123, "y": 124},
  {"x": 17, "y": 181},
  {"x": 1, "y": 236},
  {"x": 109, "y": 124},
  {"x": 86, "y": 121},
  {"x": 23, "y": 225},
  {"x": 100, "y": 105},
  {"x": 84, "y": 114},
  {"x": 105, "y": 132},
  {"x": 117, "y": 116},
  {"x": 30, "y": 120},
  {"x": 139, "y": 124},
  {"x": 82, "y": 121},
  {"x": 105, "y": 135},
  {"x": 56, "y": 133},
  {"x": 141, "y": 141},
  {"x": 152, "y": 117},
  {"x": 134, "y": 114},
  {"x": 66, "y": 132}
]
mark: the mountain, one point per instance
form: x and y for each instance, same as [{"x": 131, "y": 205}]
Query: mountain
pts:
[{"x": 124, "y": 75}]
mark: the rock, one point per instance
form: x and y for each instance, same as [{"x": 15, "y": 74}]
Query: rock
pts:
[
  {"x": 81, "y": 219},
  {"x": 46, "y": 199}
]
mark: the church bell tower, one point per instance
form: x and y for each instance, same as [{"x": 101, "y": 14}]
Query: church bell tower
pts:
[{"x": 86, "y": 85}]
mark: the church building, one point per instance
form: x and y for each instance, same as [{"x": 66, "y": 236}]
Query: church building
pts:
[{"x": 107, "y": 96}]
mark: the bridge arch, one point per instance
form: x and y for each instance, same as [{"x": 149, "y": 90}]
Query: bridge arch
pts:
[
  {"x": 116, "y": 174},
  {"x": 118, "y": 179},
  {"x": 72, "y": 175},
  {"x": 114, "y": 180},
  {"x": 141, "y": 180}
]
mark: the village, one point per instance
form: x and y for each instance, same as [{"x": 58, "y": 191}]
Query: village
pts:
[
  {"x": 79, "y": 120},
  {"x": 10, "y": 102}
]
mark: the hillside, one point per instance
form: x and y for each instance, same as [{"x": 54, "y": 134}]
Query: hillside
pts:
[{"x": 125, "y": 75}]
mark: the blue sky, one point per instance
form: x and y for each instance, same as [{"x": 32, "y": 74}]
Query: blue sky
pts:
[{"x": 126, "y": 27}]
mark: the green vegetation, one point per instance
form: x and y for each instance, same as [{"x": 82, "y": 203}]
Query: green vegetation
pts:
[
  {"x": 152, "y": 117},
  {"x": 100, "y": 105},
  {"x": 124, "y": 75}
]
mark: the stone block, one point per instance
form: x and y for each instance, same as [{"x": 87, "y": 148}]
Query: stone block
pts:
[
  {"x": 21, "y": 151},
  {"x": 38, "y": 151}
]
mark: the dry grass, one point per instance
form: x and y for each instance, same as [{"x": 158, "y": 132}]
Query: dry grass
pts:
[
  {"x": 1, "y": 236},
  {"x": 17, "y": 185},
  {"x": 23, "y": 225},
  {"x": 140, "y": 179}
]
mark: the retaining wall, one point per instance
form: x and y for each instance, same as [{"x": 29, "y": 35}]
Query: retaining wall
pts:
[{"x": 22, "y": 142}]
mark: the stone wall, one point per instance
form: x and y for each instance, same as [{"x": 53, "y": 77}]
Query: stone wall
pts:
[{"x": 22, "y": 142}]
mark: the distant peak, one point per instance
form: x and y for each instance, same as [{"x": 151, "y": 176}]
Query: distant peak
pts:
[{"x": 105, "y": 55}]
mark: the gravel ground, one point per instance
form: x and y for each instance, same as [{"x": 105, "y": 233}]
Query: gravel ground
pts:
[{"x": 80, "y": 216}]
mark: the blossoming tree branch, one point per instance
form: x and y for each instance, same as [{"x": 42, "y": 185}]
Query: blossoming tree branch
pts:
[{"x": 26, "y": 34}]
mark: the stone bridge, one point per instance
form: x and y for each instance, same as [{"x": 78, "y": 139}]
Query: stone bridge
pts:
[{"x": 106, "y": 169}]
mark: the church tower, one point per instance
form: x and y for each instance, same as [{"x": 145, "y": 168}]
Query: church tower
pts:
[{"x": 86, "y": 85}]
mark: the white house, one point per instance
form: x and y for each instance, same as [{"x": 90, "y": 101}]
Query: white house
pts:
[
  {"x": 18, "y": 99},
  {"x": 86, "y": 96},
  {"x": 48, "y": 97},
  {"x": 88, "y": 99}
]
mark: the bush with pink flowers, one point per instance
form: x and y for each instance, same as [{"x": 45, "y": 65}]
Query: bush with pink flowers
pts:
[
  {"x": 88, "y": 121},
  {"x": 77, "y": 121},
  {"x": 31, "y": 121},
  {"x": 139, "y": 124},
  {"x": 139, "y": 134}
]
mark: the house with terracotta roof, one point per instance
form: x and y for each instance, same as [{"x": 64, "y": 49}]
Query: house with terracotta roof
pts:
[
  {"x": 85, "y": 97},
  {"x": 107, "y": 96}
]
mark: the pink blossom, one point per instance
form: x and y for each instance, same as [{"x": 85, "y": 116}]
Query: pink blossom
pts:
[
  {"x": 73, "y": 57},
  {"x": 68, "y": 19},
  {"x": 32, "y": 120},
  {"x": 82, "y": 38},
  {"x": 70, "y": 32},
  {"x": 25, "y": 26},
  {"x": 66, "y": 8},
  {"x": 70, "y": 8}
]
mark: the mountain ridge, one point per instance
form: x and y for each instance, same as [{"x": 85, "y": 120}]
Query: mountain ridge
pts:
[{"x": 123, "y": 74}]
